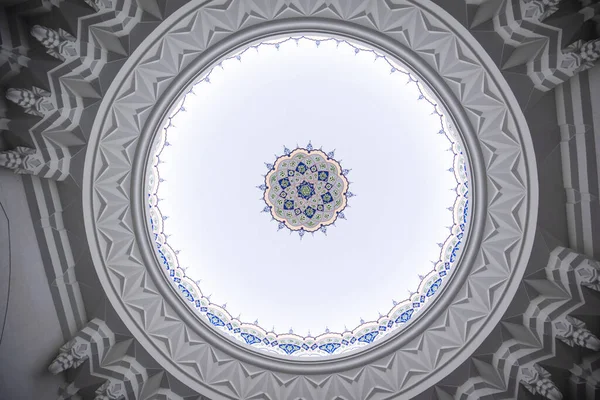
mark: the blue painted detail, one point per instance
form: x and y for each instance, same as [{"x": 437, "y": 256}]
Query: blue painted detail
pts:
[
  {"x": 405, "y": 316},
  {"x": 289, "y": 348},
  {"x": 301, "y": 168},
  {"x": 368, "y": 337},
  {"x": 216, "y": 321},
  {"x": 284, "y": 183},
  {"x": 309, "y": 212},
  {"x": 237, "y": 330},
  {"x": 329, "y": 347},
  {"x": 327, "y": 198},
  {"x": 434, "y": 287},
  {"x": 249, "y": 338},
  {"x": 305, "y": 190},
  {"x": 203, "y": 309},
  {"x": 288, "y": 205}
]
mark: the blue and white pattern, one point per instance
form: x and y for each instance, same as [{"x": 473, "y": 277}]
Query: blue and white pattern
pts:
[
  {"x": 305, "y": 190},
  {"x": 328, "y": 343}
]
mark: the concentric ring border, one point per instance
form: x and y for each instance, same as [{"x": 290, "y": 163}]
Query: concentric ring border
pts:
[{"x": 121, "y": 282}]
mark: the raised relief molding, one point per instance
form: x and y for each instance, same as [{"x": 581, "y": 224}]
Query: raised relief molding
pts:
[
  {"x": 22, "y": 160},
  {"x": 98, "y": 359},
  {"x": 60, "y": 44},
  {"x": 36, "y": 101},
  {"x": 99, "y": 5},
  {"x": 156, "y": 318},
  {"x": 539, "y": 381},
  {"x": 534, "y": 341},
  {"x": 575, "y": 333}
]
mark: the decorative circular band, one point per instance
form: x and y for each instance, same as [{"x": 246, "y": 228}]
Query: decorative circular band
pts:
[{"x": 501, "y": 165}]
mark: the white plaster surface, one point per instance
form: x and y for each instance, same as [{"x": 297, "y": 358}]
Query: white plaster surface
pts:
[{"x": 32, "y": 333}]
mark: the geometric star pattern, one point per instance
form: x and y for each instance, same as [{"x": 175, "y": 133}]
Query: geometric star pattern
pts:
[{"x": 472, "y": 90}]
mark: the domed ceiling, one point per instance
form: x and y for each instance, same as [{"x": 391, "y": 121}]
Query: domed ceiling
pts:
[
  {"x": 336, "y": 291},
  {"x": 314, "y": 199},
  {"x": 494, "y": 223}
]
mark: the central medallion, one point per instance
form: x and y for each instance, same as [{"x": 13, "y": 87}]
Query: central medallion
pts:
[{"x": 306, "y": 190}]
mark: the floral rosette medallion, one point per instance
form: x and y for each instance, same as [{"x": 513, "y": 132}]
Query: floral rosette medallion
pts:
[{"x": 306, "y": 190}]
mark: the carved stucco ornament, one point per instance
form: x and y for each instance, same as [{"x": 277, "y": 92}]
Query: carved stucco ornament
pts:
[
  {"x": 110, "y": 390},
  {"x": 35, "y": 101},
  {"x": 99, "y": 5},
  {"x": 71, "y": 355},
  {"x": 540, "y": 9},
  {"x": 22, "y": 160},
  {"x": 580, "y": 56},
  {"x": 487, "y": 118},
  {"x": 589, "y": 275},
  {"x": 539, "y": 381},
  {"x": 59, "y": 44},
  {"x": 574, "y": 333}
]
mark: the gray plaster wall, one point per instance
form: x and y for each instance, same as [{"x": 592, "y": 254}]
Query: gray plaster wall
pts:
[{"x": 31, "y": 334}]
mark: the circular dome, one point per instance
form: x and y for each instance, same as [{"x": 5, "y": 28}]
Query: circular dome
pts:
[
  {"x": 339, "y": 291},
  {"x": 502, "y": 200}
]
